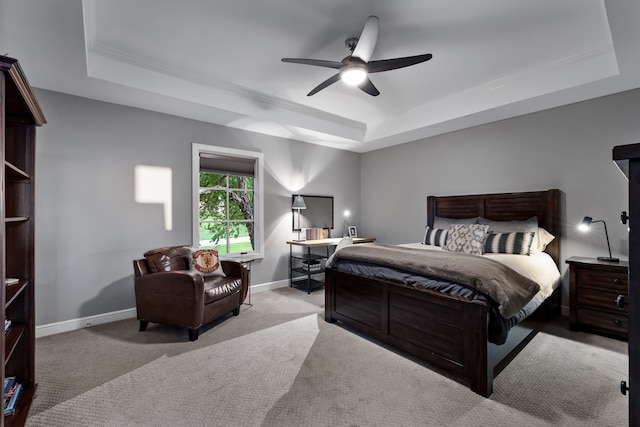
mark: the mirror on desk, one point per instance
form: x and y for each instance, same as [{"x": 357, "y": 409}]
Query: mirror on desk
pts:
[{"x": 318, "y": 213}]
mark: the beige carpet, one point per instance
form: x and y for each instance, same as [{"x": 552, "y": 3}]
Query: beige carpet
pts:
[
  {"x": 213, "y": 386},
  {"x": 280, "y": 364}
]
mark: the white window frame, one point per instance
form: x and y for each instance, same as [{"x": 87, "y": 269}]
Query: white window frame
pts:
[{"x": 258, "y": 186}]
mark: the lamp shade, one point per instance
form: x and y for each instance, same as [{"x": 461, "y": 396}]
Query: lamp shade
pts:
[
  {"x": 585, "y": 224},
  {"x": 298, "y": 203}
]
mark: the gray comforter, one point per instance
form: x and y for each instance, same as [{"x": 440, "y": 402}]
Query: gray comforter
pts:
[{"x": 508, "y": 289}]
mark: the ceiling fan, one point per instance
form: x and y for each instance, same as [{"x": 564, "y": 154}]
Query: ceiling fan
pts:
[{"x": 354, "y": 69}]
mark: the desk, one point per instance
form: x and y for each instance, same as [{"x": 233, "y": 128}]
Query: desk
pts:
[{"x": 309, "y": 263}]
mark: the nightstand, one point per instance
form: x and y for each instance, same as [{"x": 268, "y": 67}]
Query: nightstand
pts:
[{"x": 596, "y": 290}]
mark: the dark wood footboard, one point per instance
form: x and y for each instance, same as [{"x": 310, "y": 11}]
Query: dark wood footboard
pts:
[{"x": 450, "y": 332}]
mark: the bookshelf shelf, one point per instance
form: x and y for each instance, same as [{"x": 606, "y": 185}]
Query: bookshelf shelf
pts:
[
  {"x": 12, "y": 291},
  {"x": 11, "y": 340},
  {"x": 14, "y": 173},
  {"x": 21, "y": 115},
  {"x": 16, "y": 219}
]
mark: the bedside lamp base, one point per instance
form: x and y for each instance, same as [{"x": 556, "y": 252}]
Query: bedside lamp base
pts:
[{"x": 607, "y": 258}]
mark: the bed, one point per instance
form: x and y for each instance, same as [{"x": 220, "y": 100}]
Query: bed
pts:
[{"x": 451, "y": 330}]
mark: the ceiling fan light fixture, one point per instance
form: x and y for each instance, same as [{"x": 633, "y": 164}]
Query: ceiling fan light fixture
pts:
[
  {"x": 354, "y": 69},
  {"x": 353, "y": 75}
]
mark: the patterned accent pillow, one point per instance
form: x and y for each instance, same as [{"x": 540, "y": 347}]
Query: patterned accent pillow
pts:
[
  {"x": 466, "y": 238},
  {"x": 508, "y": 243},
  {"x": 207, "y": 262},
  {"x": 435, "y": 236}
]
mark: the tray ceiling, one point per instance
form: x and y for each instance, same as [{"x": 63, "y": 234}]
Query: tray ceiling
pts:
[{"x": 220, "y": 61}]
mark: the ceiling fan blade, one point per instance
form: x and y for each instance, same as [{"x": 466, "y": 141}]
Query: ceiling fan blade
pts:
[
  {"x": 368, "y": 38},
  {"x": 392, "y": 64},
  {"x": 331, "y": 80},
  {"x": 318, "y": 62},
  {"x": 368, "y": 87}
]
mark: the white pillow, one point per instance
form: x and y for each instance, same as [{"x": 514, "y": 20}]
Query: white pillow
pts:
[
  {"x": 466, "y": 238},
  {"x": 541, "y": 240},
  {"x": 344, "y": 242}
]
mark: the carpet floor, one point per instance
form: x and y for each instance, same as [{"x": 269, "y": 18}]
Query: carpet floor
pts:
[{"x": 280, "y": 364}]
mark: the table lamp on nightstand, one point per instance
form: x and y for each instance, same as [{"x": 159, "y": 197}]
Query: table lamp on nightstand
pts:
[
  {"x": 298, "y": 203},
  {"x": 585, "y": 225},
  {"x": 346, "y": 214}
]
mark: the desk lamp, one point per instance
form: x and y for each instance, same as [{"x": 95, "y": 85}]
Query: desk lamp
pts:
[{"x": 586, "y": 224}]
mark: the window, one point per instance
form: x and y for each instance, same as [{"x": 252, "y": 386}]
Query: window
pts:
[{"x": 227, "y": 199}]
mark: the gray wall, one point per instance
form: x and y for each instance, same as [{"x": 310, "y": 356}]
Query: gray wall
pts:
[
  {"x": 568, "y": 148},
  {"x": 89, "y": 228}
]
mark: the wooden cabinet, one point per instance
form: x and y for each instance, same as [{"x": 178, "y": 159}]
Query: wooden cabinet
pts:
[
  {"x": 19, "y": 116},
  {"x": 594, "y": 289},
  {"x": 627, "y": 157}
]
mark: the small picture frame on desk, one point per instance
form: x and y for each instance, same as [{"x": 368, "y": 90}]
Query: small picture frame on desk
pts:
[{"x": 353, "y": 232}]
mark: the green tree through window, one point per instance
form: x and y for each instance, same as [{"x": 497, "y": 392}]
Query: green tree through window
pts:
[
  {"x": 227, "y": 212},
  {"x": 228, "y": 199}
]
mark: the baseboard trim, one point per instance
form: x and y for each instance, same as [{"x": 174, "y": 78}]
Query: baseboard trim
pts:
[
  {"x": 84, "y": 322},
  {"x": 269, "y": 285},
  {"x": 114, "y": 316}
]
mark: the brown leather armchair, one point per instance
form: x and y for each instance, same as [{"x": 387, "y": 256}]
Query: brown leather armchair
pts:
[{"x": 167, "y": 292}]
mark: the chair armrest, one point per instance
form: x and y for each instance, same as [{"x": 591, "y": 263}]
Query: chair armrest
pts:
[
  {"x": 170, "y": 297},
  {"x": 171, "y": 283},
  {"x": 140, "y": 267},
  {"x": 239, "y": 269}
]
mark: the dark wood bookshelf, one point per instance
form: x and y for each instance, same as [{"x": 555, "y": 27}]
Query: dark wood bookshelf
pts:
[{"x": 20, "y": 114}]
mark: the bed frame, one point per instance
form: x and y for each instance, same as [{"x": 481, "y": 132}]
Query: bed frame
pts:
[{"x": 447, "y": 331}]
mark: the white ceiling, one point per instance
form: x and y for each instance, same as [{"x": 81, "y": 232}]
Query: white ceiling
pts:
[{"x": 219, "y": 61}]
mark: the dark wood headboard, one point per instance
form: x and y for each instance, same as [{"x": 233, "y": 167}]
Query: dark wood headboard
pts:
[{"x": 504, "y": 207}]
